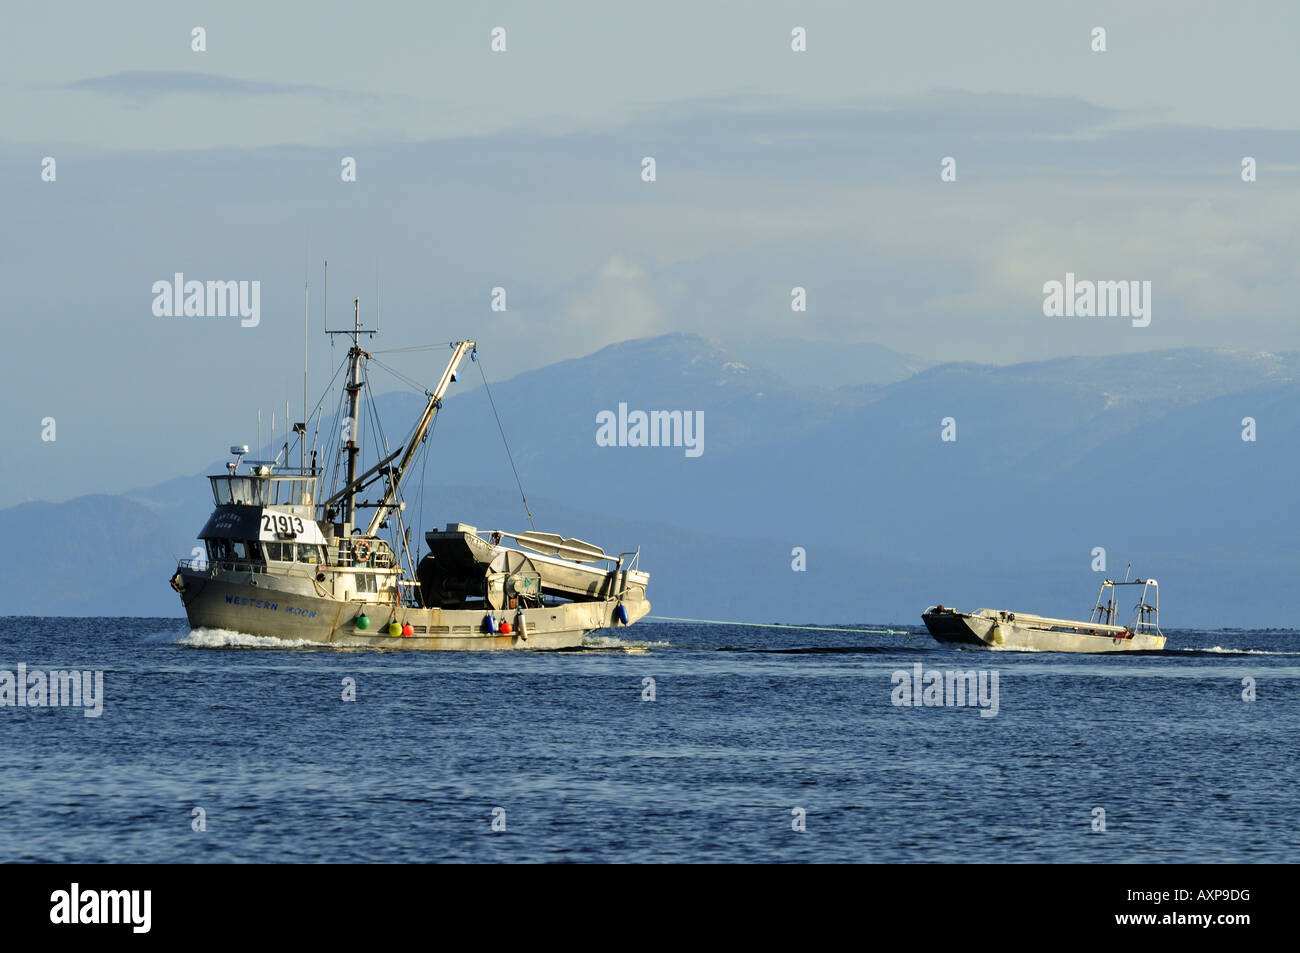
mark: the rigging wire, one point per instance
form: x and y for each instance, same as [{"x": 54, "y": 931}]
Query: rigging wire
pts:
[
  {"x": 509, "y": 455},
  {"x": 329, "y": 450},
  {"x": 408, "y": 381},
  {"x": 414, "y": 347},
  {"x": 424, "y": 465},
  {"x": 335, "y": 445},
  {"x": 302, "y": 438},
  {"x": 373, "y": 411}
]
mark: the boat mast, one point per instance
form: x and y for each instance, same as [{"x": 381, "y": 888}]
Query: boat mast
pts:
[
  {"x": 417, "y": 438},
  {"x": 354, "y": 391},
  {"x": 353, "y": 387}
]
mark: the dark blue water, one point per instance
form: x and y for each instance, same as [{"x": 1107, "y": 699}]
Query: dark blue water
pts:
[{"x": 747, "y": 725}]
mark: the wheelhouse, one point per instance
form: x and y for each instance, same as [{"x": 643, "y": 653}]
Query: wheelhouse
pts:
[{"x": 263, "y": 487}]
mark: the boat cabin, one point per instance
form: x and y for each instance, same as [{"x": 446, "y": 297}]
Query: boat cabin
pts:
[
  {"x": 263, "y": 487},
  {"x": 265, "y": 522}
]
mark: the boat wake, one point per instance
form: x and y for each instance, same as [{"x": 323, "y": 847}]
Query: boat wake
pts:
[
  {"x": 1221, "y": 650},
  {"x": 229, "y": 639},
  {"x": 612, "y": 643},
  {"x": 831, "y": 649}
]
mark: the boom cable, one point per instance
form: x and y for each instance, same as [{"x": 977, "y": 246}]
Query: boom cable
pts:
[{"x": 509, "y": 455}]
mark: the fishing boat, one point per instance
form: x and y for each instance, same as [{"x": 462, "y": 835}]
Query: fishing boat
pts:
[
  {"x": 999, "y": 629},
  {"x": 285, "y": 560}
]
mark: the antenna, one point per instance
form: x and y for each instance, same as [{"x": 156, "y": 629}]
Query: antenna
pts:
[
  {"x": 352, "y": 388},
  {"x": 356, "y": 328},
  {"x": 306, "y": 294}
]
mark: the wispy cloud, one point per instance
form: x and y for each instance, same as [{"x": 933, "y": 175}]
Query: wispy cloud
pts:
[{"x": 141, "y": 85}]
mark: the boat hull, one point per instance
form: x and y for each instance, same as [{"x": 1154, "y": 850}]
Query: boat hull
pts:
[
  {"x": 981, "y": 631},
  {"x": 240, "y": 604}
]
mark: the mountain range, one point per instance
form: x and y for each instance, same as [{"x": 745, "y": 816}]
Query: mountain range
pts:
[{"x": 1140, "y": 455}]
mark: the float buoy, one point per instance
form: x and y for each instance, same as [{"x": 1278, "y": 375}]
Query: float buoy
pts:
[
  {"x": 394, "y": 629},
  {"x": 521, "y": 624},
  {"x": 505, "y": 628},
  {"x": 408, "y": 630},
  {"x": 363, "y": 621},
  {"x": 620, "y": 613},
  {"x": 489, "y": 624}
]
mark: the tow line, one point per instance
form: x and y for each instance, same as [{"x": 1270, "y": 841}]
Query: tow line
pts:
[{"x": 780, "y": 625}]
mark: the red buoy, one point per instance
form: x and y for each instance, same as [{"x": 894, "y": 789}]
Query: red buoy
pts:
[
  {"x": 408, "y": 630},
  {"x": 505, "y": 628}
]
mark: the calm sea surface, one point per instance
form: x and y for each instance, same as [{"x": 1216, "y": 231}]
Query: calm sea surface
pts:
[{"x": 751, "y": 733}]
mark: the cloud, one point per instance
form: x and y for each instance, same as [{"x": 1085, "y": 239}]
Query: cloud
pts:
[
  {"x": 143, "y": 85},
  {"x": 617, "y": 305}
]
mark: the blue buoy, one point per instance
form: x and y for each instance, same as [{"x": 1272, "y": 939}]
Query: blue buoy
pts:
[
  {"x": 621, "y": 614},
  {"x": 489, "y": 623}
]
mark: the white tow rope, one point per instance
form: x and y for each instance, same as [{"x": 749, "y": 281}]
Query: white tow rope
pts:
[{"x": 780, "y": 625}]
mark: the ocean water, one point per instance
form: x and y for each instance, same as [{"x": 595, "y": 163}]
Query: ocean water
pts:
[{"x": 752, "y": 733}]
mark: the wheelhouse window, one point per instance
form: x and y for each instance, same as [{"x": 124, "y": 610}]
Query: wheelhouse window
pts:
[
  {"x": 264, "y": 489},
  {"x": 309, "y": 553},
  {"x": 246, "y": 551},
  {"x": 245, "y": 490},
  {"x": 279, "y": 552},
  {"x": 233, "y": 551}
]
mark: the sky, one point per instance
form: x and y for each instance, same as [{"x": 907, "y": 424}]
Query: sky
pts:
[{"x": 522, "y": 169}]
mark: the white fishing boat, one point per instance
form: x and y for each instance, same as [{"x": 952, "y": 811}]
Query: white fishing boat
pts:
[
  {"x": 287, "y": 561},
  {"x": 1000, "y": 629}
]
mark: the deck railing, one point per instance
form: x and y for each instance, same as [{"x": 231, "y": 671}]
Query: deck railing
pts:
[
  {"x": 342, "y": 557},
  {"x": 221, "y": 565}
]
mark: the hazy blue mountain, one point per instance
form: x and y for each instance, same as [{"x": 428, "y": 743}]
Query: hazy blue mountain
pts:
[
  {"x": 95, "y": 555},
  {"x": 1140, "y": 454},
  {"x": 809, "y": 363}
]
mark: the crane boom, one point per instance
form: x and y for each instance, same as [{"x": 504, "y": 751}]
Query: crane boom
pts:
[{"x": 385, "y": 505}]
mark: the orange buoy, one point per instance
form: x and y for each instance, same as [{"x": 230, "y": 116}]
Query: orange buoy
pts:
[
  {"x": 505, "y": 628},
  {"x": 408, "y": 630}
]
